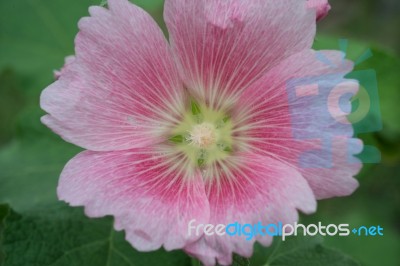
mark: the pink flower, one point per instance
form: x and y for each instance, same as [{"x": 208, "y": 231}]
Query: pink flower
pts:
[{"x": 203, "y": 128}]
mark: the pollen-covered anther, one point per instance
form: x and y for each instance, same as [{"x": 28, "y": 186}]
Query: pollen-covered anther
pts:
[{"x": 203, "y": 135}]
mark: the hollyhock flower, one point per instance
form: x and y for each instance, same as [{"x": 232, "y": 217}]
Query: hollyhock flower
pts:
[{"x": 202, "y": 127}]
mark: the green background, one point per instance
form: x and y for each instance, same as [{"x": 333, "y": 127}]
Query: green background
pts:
[{"x": 36, "y": 229}]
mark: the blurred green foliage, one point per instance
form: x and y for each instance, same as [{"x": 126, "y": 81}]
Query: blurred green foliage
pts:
[
  {"x": 61, "y": 235},
  {"x": 36, "y": 35}
]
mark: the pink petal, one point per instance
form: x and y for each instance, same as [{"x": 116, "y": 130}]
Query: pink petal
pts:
[
  {"x": 262, "y": 190},
  {"x": 337, "y": 180},
  {"x": 295, "y": 120},
  {"x": 149, "y": 199},
  {"x": 224, "y": 46},
  {"x": 322, "y": 7},
  {"x": 122, "y": 90}
]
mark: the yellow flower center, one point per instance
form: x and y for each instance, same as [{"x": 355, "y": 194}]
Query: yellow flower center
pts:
[{"x": 204, "y": 135}]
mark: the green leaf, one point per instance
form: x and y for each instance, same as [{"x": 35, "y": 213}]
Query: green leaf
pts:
[
  {"x": 300, "y": 251},
  {"x": 4, "y": 210},
  {"x": 58, "y": 235},
  {"x": 30, "y": 171},
  {"x": 240, "y": 261},
  {"x": 373, "y": 204}
]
